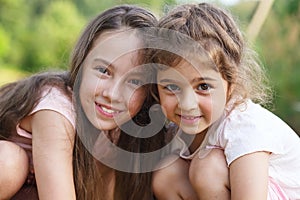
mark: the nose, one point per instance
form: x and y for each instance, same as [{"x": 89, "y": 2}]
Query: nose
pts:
[
  {"x": 112, "y": 90},
  {"x": 188, "y": 101}
]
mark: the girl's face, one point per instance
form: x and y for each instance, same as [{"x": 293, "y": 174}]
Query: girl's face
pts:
[
  {"x": 192, "y": 97},
  {"x": 111, "y": 90}
]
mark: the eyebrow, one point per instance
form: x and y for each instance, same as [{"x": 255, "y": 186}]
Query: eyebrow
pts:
[
  {"x": 107, "y": 63},
  {"x": 136, "y": 73},
  {"x": 166, "y": 80},
  {"x": 203, "y": 79}
]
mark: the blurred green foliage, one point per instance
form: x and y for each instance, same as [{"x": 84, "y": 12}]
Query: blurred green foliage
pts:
[
  {"x": 279, "y": 43},
  {"x": 36, "y": 35}
]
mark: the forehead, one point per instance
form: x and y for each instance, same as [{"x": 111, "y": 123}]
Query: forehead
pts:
[
  {"x": 113, "y": 45},
  {"x": 192, "y": 68}
]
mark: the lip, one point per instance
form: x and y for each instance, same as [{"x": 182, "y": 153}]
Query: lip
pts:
[
  {"x": 188, "y": 119},
  {"x": 107, "y": 111}
]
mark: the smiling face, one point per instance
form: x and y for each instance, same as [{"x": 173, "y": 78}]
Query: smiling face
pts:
[
  {"x": 111, "y": 90},
  {"x": 192, "y": 97}
]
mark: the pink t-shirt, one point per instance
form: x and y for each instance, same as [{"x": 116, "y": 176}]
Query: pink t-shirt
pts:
[{"x": 52, "y": 99}]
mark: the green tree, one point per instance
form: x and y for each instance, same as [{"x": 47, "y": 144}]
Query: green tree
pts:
[{"x": 52, "y": 36}]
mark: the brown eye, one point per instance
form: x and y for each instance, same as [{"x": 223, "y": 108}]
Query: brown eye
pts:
[{"x": 204, "y": 87}]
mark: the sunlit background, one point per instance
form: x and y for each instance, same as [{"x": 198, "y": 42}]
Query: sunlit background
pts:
[{"x": 38, "y": 35}]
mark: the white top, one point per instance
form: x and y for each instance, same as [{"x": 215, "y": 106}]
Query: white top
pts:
[{"x": 251, "y": 128}]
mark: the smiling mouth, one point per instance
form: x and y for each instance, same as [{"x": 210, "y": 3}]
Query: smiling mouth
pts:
[
  {"x": 189, "y": 119},
  {"x": 107, "y": 111}
]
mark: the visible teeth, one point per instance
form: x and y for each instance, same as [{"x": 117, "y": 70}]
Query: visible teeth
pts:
[
  {"x": 108, "y": 110},
  {"x": 189, "y": 117}
]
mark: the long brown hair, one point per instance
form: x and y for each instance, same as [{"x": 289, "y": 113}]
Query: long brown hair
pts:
[
  {"x": 17, "y": 99},
  {"x": 87, "y": 175}
]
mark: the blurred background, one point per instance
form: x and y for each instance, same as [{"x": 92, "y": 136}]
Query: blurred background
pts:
[{"x": 38, "y": 35}]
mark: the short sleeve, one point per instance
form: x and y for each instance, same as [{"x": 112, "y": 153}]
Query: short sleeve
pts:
[
  {"x": 251, "y": 130},
  {"x": 55, "y": 100}
]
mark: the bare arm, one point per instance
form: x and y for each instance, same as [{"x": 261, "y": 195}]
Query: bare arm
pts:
[
  {"x": 52, "y": 147},
  {"x": 249, "y": 177}
]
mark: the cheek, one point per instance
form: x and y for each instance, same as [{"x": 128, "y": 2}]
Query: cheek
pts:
[
  {"x": 163, "y": 99},
  {"x": 207, "y": 105},
  {"x": 217, "y": 107},
  {"x": 136, "y": 101},
  {"x": 83, "y": 91},
  {"x": 168, "y": 104},
  {"x": 88, "y": 85}
]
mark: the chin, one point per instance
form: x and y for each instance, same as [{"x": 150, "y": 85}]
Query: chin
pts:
[
  {"x": 106, "y": 127},
  {"x": 193, "y": 130},
  {"x": 190, "y": 131}
]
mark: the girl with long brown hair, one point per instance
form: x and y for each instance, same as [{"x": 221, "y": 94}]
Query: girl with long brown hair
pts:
[
  {"x": 111, "y": 85},
  {"x": 110, "y": 88}
]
